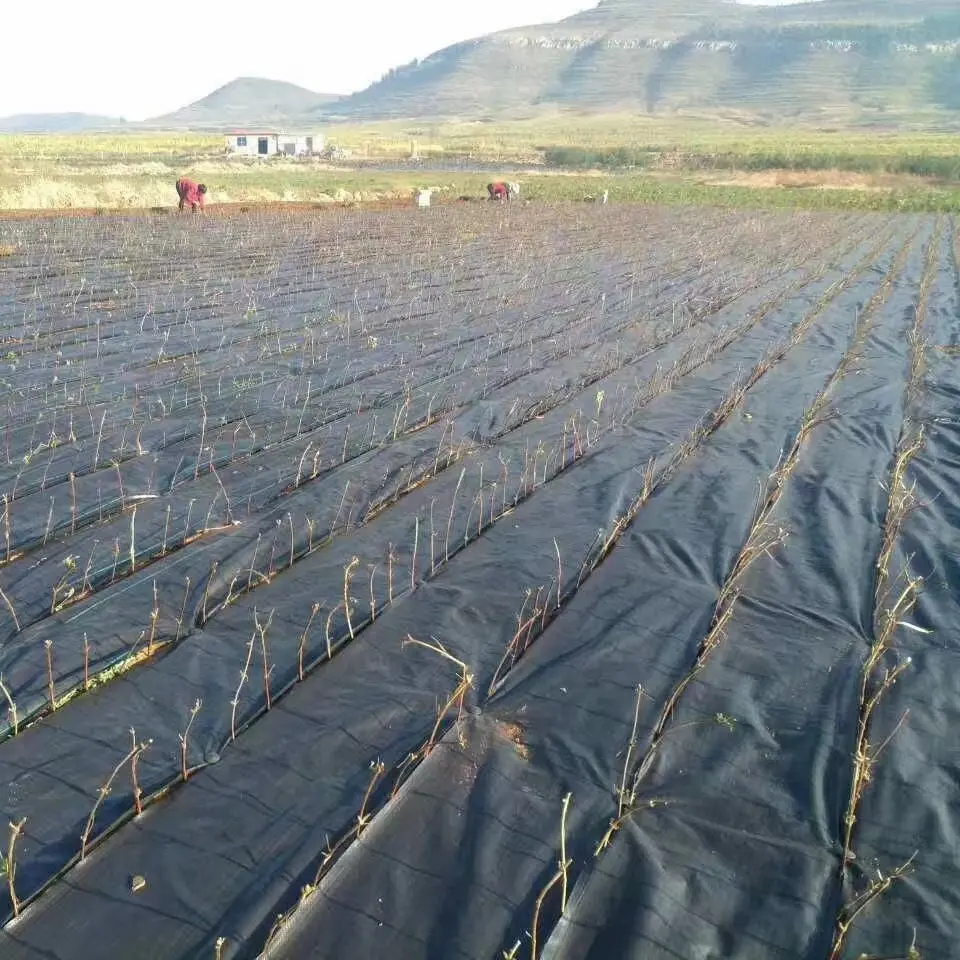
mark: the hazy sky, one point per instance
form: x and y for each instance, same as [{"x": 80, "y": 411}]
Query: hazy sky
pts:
[{"x": 126, "y": 58}]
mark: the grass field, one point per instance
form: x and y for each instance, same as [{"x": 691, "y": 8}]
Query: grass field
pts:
[
  {"x": 695, "y": 161},
  {"x": 485, "y": 581}
]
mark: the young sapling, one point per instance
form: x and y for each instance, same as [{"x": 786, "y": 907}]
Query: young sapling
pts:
[
  {"x": 154, "y": 617},
  {"x": 327, "y": 635},
  {"x": 184, "y": 740},
  {"x": 373, "y": 597},
  {"x": 11, "y": 707},
  {"x": 267, "y": 668},
  {"x": 413, "y": 561},
  {"x": 852, "y": 910},
  {"x": 453, "y": 503},
  {"x": 301, "y": 646},
  {"x": 457, "y": 697},
  {"x": 183, "y": 608},
  {"x": 347, "y": 603},
  {"x": 137, "y": 749},
  {"x": 51, "y": 693},
  {"x": 559, "y": 877},
  {"x": 10, "y": 863},
  {"x": 244, "y": 673},
  {"x": 104, "y": 792}
]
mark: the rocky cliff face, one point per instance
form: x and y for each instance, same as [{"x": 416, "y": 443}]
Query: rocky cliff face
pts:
[{"x": 838, "y": 59}]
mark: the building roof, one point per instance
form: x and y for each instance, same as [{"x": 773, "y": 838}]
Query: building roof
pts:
[{"x": 271, "y": 133}]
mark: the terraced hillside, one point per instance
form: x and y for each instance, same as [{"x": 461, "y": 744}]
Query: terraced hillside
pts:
[
  {"x": 885, "y": 61},
  {"x": 483, "y": 581}
]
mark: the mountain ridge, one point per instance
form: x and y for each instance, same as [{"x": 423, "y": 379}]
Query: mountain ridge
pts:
[
  {"x": 860, "y": 62},
  {"x": 66, "y": 122},
  {"x": 247, "y": 101},
  {"x": 849, "y": 59}
]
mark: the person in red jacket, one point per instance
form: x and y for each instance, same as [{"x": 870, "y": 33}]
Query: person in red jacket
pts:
[
  {"x": 192, "y": 193},
  {"x": 498, "y": 191}
]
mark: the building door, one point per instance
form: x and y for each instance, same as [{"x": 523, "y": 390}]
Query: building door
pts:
[{"x": 263, "y": 146}]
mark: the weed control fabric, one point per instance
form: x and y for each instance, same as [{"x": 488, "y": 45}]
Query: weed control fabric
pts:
[{"x": 530, "y": 582}]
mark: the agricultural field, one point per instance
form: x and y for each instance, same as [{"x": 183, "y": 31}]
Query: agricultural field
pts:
[
  {"x": 636, "y": 159},
  {"x": 487, "y": 581}
]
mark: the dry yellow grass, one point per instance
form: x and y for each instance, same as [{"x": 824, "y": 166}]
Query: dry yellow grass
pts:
[{"x": 7, "y": 250}]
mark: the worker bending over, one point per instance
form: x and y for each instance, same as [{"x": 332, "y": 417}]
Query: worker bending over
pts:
[{"x": 192, "y": 193}]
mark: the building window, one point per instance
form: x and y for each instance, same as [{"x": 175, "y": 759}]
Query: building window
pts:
[{"x": 241, "y": 141}]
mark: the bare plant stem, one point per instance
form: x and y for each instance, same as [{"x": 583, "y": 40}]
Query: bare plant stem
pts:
[
  {"x": 631, "y": 746},
  {"x": 11, "y": 707},
  {"x": 102, "y": 795},
  {"x": 203, "y": 434},
  {"x": 373, "y": 597},
  {"x": 253, "y": 561},
  {"x": 453, "y": 504},
  {"x": 13, "y": 613},
  {"x": 889, "y": 613},
  {"x": 290, "y": 519},
  {"x": 15, "y": 830},
  {"x": 6, "y": 525},
  {"x": 413, "y": 562},
  {"x": 206, "y": 590},
  {"x": 96, "y": 455},
  {"x": 73, "y": 503},
  {"x": 184, "y": 740},
  {"x": 183, "y": 608},
  {"x": 556, "y": 546},
  {"x": 330, "y": 617},
  {"x": 136, "y": 750},
  {"x": 513, "y": 647},
  {"x": 378, "y": 768},
  {"x": 133, "y": 536},
  {"x": 852, "y": 910},
  {"x": 154, "y": 617},
  {"x": 347, "y": 575},
  {"x": 465, "y": 683},
  {"x": 51, "y": 693},
  {"x": 551, "y": 883},
  {"x": 244, "y": 673},
  {"x": 336, "y": 519},
  {"x": 267, "y": 669},
  {"x": 564, "y": 862},
  {"x": 301, "y": 647}
]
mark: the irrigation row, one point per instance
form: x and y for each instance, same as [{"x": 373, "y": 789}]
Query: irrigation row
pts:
[
  {"x": 532, "y": 622},
  {"x": 154, "y": 443},
  {"x": 895, "y": 596},
  {"x": 142, "y": 558},
  {"x": 72, "y": 589},
  {"x": 764, "y": 536},
  {"x": 92, "y": 841},
  {"x": 32, "y": 443}
]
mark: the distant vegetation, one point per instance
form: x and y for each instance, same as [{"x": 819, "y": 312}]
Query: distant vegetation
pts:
[
  {"x": 586, "y": 158},
  {"x": 614, "y": 158},
  {"x": 635, "y": 158}
]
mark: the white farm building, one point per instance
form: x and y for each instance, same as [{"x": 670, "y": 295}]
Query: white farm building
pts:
[{"x": 256, "y": 144}]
